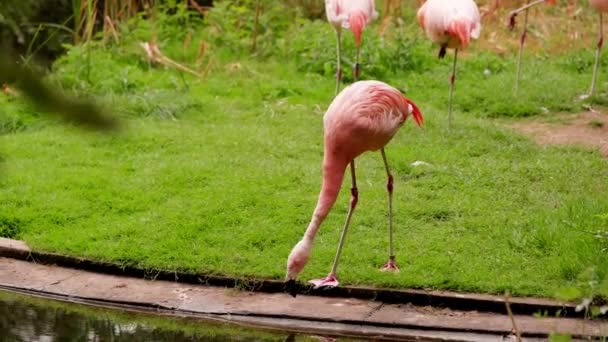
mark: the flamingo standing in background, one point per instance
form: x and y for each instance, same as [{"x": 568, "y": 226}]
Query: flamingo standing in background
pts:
[
  {"x": 601, "y": 6},
  {"x": 451, "y": 24},
  {"x": 524, "y": 32},
  {"x": 363, "y": 117},
  {"x": 353, "y": 14}
]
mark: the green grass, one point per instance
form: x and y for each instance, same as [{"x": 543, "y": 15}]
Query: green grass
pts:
[
  {"x": 227, "y": 187},
  {"x": 220, "y": 175}
]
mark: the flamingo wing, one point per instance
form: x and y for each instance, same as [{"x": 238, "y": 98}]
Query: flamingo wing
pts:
[
  {"x": 366, "y": 115},
  {"x": 334, "y": 12}
]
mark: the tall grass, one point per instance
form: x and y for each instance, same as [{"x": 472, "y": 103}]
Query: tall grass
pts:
[{"x": 398, "y": 52}]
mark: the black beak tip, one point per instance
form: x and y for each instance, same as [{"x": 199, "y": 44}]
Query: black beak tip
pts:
[{"x": 291, "y": 287}]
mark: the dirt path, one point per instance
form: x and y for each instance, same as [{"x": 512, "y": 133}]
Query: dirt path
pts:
[{"x": 587, "y": 128}]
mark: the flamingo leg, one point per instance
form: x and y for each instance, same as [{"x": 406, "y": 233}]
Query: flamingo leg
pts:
[
  {"x": 598, "y": 54},
  {"x": 338, "y": 61},
  {"x": 451, "y": 96},
  {"x": 356, "y": 69},
  {"x": 522, "y": 42},
  {"x": 391, "y": 265},
  {"x": 331, "y": 279}
]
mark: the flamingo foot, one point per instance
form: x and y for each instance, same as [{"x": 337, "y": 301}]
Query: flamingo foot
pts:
[
  {"x": 390, "y": 266},
  {"x": 329, "y": 281}
]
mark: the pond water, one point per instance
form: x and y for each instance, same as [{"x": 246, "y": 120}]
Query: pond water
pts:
[{"x": 28, "y": 318}]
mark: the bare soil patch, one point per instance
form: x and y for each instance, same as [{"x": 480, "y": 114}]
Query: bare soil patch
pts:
[{"x": 587, "y": 128}]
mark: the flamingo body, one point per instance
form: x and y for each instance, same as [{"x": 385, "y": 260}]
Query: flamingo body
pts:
[
  {"x": 451, "y": 23},
  {"x": 599, "y": 5},
  {"x": 350, "y": 14},
  {"x": 363, "y": 117}
]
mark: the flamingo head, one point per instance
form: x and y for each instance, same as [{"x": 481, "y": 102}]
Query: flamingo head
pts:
[
  {"x": 298, "y": 258},
  {"x": 357, "y": 21}
]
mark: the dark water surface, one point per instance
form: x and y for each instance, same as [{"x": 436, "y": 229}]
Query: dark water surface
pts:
[{"x": 28, "y": 318}]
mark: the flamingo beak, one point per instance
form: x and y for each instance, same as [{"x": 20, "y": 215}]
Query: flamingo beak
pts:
[{"x": 291, "y": 287}]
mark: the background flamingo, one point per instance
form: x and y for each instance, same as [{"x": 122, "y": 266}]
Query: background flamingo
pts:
[
  {"x": 601, "y": 6},
  {"x": 353, "y": 14},
  {"x": 524, "y": 32},
  {"x": 363, "y": 117},
  {"x": 451, "y": 24}
]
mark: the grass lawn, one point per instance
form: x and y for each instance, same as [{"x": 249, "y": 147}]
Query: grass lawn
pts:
[
  {"x": 221, "y": 175},
  {"x": 229, "y": 186}
]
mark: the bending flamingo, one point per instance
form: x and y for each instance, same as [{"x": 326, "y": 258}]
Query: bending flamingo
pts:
[
  {"x": 524, "y": 32},
  {"x": 451, "y": 24},
  {"x": 353, "y": 14},
  {"x": 363, "y": 117},
  {"x": 601, "y": 6}
]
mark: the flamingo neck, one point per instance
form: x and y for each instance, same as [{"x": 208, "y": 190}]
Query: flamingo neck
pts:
[{"x": 333, "y": 174}]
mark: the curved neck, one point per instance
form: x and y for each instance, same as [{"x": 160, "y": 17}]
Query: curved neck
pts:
[{"x": 333, "y": 174}]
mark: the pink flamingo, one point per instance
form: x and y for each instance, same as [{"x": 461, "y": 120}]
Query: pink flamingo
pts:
[
  {"x": 601, "y": 6},
  {"x": 353, "y": 14},
  {"x": 524, "y": 32},
  {"x": 451, "y": 24},
  {"x": 363, "y": 117}
]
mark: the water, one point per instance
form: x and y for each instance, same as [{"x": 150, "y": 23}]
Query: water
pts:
[{"x": 27, "y": 318}]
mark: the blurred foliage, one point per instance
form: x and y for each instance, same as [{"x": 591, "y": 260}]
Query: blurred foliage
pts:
[
  {"x": 46, "y": 99},
  {"x": 37, "y": 30},
  {"x": 35, "y": 27}
]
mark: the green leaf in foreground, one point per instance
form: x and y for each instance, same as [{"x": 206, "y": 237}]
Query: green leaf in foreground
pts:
[{"x": 84, "y": 113}]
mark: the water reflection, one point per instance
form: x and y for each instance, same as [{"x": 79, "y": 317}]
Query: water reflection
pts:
[{"x": 25, "y": 318}]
